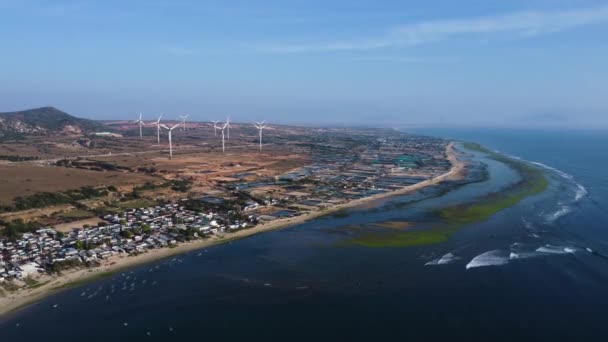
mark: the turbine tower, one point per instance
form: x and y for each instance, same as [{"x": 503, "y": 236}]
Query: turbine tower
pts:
[
  {"x": 227, "y": 125},
  {"x": 183, "y": 117},
  {"x": 260, "y": 126},
  {"x": 170, "y": 129},
  {"x": 223, "y": 142},
  {"x": 141, "y": 124},
  {"x": 215, "y": 127},
  {"x": 157, "y": 123}
]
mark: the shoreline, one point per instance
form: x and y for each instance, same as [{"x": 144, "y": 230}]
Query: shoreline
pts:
[{"x": 13, "y": 301}]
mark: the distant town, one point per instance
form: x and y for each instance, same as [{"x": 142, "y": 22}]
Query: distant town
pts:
[{"x": 341, "y": 168}]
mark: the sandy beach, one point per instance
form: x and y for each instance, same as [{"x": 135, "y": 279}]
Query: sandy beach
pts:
[{"x": 52, "y": 284}]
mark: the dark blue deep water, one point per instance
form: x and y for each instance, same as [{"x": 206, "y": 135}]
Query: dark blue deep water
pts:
[{"x": 536, "y": 271}]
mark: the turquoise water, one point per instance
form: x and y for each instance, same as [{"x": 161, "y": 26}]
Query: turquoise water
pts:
[{"x": 524, "y": 274}]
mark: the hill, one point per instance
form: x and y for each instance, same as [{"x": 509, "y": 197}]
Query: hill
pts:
[{"x": 46, "y": 120}]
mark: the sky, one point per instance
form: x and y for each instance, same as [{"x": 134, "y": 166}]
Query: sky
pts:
[{"x": 340, "y": 62}]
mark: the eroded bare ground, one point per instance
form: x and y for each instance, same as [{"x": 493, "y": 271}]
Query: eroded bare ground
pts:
[{"x": 63, "y": 163}]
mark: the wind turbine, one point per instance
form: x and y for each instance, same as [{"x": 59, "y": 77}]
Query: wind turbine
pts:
[
  {"x": 183, "y": 117},
  {"x": 141, "y": 124},
  {"x": 215, "y": 126},
  {"x": 223, "y": 128},
  {"x": 260, "y": 126},
  {"x": 170, "y": 129},
  {"x": 157, "y": 123},
  {"x": 227, "y": 125}
]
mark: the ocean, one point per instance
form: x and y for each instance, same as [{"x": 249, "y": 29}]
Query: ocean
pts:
[{"x": 537, "y": 270}]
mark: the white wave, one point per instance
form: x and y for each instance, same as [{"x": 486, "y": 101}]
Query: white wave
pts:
[
  {"x": 589, "y": 250},
  {"x": 446, "y": 259},
  {"x": 492, "y": 258},
  {"x": 521, "y": 251},
  {"x": 522, "y": 255},
  {"x": 550, "y": 249},
  {"x": 508, "y": 155},
  {"x": 558, "y": 171},
  {"x": 562, "y": 211},
  {"x": 581, "y": 191}
]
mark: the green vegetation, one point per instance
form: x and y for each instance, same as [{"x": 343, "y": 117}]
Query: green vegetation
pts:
[
  {"x": 9, "y": 286},
  {"x": 95, "y": 165},
  {"x": 181, "y": 185},
  {"x": 14, "y": 229},
  {"x": 533, "y": 182},
  {"x": 137, "y": 203},
  {"x": 59, "y": 266},
  {"x": 44, "y": 199},
  {"x": 90, "y": 279},
  {"x": 29, "y": 281},
  {"x": 7, "y": 136},
  {"x": 457, "y": 217},
  {"x": 52, "y": 119},
  {"x": 39, "y": 284},
  {"x": 85, "y": 245},
  {"x": 17, "y": 158},
  {"x": 403, "y": 238}
]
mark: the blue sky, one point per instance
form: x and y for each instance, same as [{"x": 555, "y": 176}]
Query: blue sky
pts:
[{"x": 473, "y": 62}]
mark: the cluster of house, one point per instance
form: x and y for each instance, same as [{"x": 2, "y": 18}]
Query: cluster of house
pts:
[
  {"x": 132, "y": 231},
  {"x": 338, "y": 175}
]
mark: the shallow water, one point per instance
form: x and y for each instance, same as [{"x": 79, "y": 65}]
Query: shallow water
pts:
[{"x": 521, "y": 275}]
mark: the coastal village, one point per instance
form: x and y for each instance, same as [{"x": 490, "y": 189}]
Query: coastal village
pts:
[{"x": 333, "y": 177}]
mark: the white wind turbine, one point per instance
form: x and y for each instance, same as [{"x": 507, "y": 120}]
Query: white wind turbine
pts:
[
  {"x": 170, "y": 129},
  {"x": 215, "y": 126},
  {"x": 260, "y": 126},
  {"x": 223, "y": 128},
  {"x": 157, "y": 123},
  {"x": 183, "y": 117},
  {"x": 227, "y": 125},
  {"x": 141, "y": 124}
]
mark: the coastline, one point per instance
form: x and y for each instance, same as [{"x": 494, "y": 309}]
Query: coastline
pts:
[{"x": 53, "y": 284}]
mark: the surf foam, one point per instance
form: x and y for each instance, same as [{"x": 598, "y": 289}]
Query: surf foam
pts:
[
  {"x": 491, "y": 258},
  {"x": 580, "y": 192},
  {"x": 562, "y": 211},
  {"x": 550, "y": 249},
  {"x": 446, "y": 259}
]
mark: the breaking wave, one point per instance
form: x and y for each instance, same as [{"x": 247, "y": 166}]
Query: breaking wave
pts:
[
  {"x": 495, "y": 257},
  {"x": 517, "y": 251},
  {"x": 446, "y": 259},
  {"x": 562, "y": 211},
  {"x": 550, "y": 249},
  {"x": 564, "y": 208},
  {"x": 580, "y": 192},
  {"x": 521, "y": 255}
]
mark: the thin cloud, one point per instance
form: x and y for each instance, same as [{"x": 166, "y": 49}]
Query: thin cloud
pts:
[
  {"x": 521, "y": 24},
  {"x": 406, "y": 59}
]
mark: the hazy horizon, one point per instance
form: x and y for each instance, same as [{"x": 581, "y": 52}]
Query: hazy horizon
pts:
[{"x": 535, "y": 63}]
